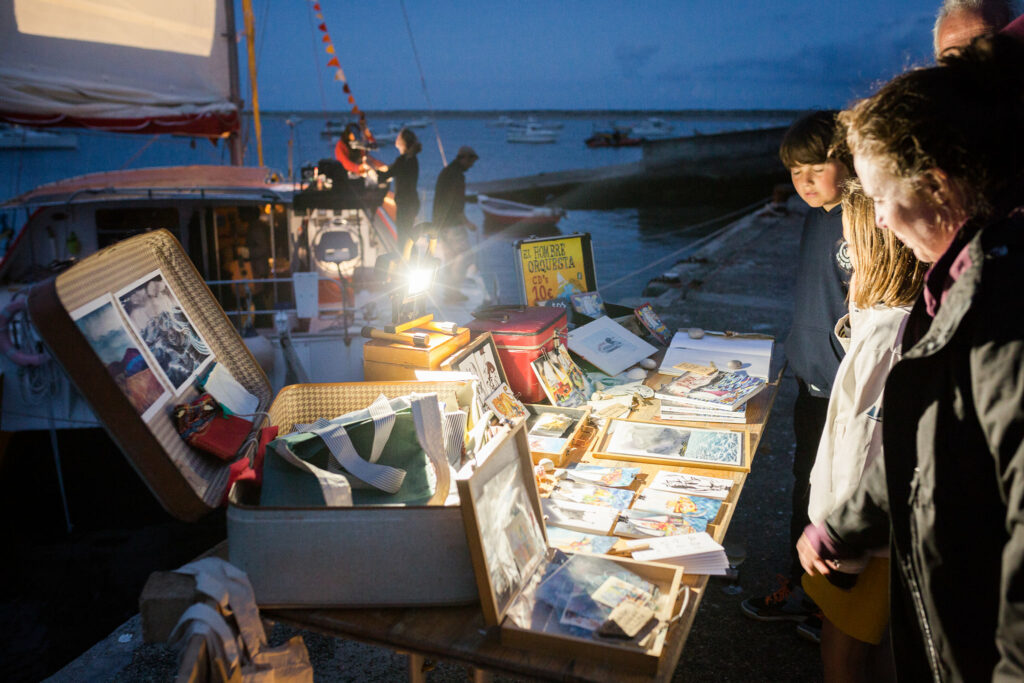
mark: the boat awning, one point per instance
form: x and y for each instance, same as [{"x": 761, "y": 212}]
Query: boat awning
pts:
[
  {"x": 145, "y": 66},
  {"x": 209, "y": 182}
]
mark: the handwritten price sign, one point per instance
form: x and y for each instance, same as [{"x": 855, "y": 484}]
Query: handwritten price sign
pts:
[{"x": 553, "y": 269}]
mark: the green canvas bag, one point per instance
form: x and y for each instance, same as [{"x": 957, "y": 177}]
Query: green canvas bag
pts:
[{"x": 392, "y": 453}]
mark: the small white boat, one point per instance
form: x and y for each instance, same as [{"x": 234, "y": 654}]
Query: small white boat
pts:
[
  {"x": 416, "y": 123},
  {"x": 652, "y": 127},
  {"x": 391, "y": 135},
  {"x": 531, "y": 133},
  {"x": 501, "y": 122},
  {"x": 19, "y": 137},
  {"x": 507, "y": 212}
]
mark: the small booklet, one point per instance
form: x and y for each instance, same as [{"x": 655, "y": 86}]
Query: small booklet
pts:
[
  {"x": 690, "y": 506},
  {"x": 644, "y": 524},
  {"x": 592, "y": 495},
  {"x": 698, "y": 553},
  {"x": 590, "y": 519},
  {"x": 605, "y": 476},
  {"x": 720, "y": 391},
  {"x": 579, "y": 542},
  {"x": 691, "y": 484}
]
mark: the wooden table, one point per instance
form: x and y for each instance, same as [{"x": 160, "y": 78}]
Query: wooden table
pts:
[{"x": 459, "y": 633}]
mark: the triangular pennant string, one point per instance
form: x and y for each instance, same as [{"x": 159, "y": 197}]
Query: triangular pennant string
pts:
[{"x": 339, "y": 74}]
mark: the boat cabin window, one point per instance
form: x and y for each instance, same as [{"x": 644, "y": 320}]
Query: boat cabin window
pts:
[
  {"x": 114, "y": 225},
  {"x": 251, "y": 244}
]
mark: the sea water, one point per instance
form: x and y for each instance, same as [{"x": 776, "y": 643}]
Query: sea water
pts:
[{"x": 630, "y": 245}]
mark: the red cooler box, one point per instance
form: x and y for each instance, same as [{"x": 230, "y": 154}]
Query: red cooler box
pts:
[{"x": 521, "y": 334}]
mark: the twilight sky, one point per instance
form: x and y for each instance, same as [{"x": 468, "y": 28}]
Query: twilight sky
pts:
[{"x": 587, "y": 54}]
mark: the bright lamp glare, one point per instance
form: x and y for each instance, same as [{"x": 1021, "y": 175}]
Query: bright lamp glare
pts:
[{"x": 419, "y": 280}]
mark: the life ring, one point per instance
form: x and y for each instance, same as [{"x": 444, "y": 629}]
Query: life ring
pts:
[{"x": 7, "y": 347}]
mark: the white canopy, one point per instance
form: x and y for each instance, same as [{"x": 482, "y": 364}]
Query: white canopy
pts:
[{"x": 127, "y": 65}]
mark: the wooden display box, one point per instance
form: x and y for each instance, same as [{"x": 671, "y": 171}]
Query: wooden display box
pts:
[
  {"x": 578, "y": 434},
  {"x": 503, "y": 487},
  {"x": 675, "y": 445},
  {"x": 388, "y": 360}
]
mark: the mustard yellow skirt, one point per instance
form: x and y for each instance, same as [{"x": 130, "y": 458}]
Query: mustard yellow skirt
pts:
[{"x": 861, "y": 612}]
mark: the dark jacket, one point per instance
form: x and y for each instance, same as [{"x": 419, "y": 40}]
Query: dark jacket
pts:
[
  {"x": 952, "y": 486},
  {"x": 405, "y": 171},
  {"x": 822, "y": 279},
  {"x": 450, "y": 196}
]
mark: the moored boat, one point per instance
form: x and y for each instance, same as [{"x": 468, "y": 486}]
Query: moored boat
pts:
[
  {"x": 531, "y": 133},
  {"x": 614, "y": 138},
  {"x": 652, "y": 127},
  {"x": 19, "y": 137},
  {"x": 507, "y": 212}
]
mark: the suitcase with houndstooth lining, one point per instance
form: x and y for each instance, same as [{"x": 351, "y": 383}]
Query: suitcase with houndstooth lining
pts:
[{"x": 295, "y": 557}]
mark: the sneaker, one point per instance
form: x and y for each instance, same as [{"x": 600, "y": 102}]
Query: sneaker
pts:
[
  {"x": 785, "y": 604},
  {"x": 810, "y": 628}
]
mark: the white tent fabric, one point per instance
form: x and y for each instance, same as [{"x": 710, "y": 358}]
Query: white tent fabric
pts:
[{"x": 116, "y": 64}]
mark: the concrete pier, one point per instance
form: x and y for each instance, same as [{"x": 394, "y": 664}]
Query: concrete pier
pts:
[{"x": 724, "y": 168}]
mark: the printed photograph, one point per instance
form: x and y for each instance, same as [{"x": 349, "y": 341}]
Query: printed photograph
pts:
[
  {"x": 675, "y": 443},
  {"x": 481, "y": 359},
  {"x": 103, "y": 327},
  {"x": 158, "y": 319}
]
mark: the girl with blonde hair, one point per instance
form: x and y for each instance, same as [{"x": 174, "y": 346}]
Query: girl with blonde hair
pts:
[{"x": 885, "y": 282}]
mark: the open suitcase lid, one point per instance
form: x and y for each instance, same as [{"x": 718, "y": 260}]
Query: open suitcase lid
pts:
[{"x": 105, "y": 305}]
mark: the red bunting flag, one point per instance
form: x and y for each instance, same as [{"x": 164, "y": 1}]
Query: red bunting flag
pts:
[
  {"x": 334, "y": 62},
  {"x": 323, "y": 27},
  {"x": 355, "y": 110},
  {"x": 346, "y": 89},
  {"x": 330, "y": 49},
  {"x": 351, "y": 100},
  {"x": 316, "y": 6},
  {"x": 326, "y": 39}
]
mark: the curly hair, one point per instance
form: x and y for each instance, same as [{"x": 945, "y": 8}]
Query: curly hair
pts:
[
  {"x": 965, "y": 117},
  {"x": 885, "y": 271}
]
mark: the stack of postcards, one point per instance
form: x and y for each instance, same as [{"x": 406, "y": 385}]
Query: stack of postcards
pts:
[
  {"x": 715, "y": 396},
  {"x": 697, "y": 553}
]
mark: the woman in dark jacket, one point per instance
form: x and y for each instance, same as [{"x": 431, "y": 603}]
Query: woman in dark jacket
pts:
[
  {"x": 405, "y": 171},
  {"x": 941, "y": 152}
]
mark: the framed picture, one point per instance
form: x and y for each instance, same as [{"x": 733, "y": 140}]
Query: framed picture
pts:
[
  {"x": 480, "y": 358},
  {"x": 506, "y": 406},
  {"x": 669, "y": 444},
  {"x": 555, "y": 267},
  {"x": 170, "y": 338},
  {"x": 101, "y": 322},
  {"x": 608, "y": 345}
]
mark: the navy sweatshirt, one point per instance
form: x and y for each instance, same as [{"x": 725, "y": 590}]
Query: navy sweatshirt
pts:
[{"x": 820, "y": 300}]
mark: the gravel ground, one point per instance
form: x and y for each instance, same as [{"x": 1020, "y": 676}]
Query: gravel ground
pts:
[{"x": 742, "y": 281}]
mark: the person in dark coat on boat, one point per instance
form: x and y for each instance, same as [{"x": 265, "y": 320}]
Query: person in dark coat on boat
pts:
[
  {"x": 405, "y": 171},
  {"x": 941, "y": 152},
  {"x": 449, "y": 219}
]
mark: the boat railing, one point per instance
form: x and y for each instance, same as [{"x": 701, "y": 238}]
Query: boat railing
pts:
[{"x": 334, "y": 307}]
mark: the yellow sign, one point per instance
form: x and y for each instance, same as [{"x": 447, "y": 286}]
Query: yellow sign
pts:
[{"x": 553, "y": 269}]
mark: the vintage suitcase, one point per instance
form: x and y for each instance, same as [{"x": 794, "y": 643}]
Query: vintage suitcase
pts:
[
  {"x": 327, "y": 556},
  {"x": 521, "y": 334}
]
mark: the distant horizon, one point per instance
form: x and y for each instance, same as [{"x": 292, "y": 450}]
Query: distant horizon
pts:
[{"x": 766, "y": 113}]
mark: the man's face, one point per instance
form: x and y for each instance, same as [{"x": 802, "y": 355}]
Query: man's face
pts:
[
  {"x": 957, "y": 30},
  {"x": 467, "y": 162}
]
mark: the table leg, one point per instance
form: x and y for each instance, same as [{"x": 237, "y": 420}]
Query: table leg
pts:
[
  {"x": 481, "y": 676},
  {"x": 416, "y": 673}
]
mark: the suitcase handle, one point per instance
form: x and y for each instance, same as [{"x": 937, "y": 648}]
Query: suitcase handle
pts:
[{"x": 498, "y": 313}]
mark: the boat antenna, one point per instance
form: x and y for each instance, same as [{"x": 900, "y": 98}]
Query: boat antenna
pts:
[{"x": 423, "y": 81}]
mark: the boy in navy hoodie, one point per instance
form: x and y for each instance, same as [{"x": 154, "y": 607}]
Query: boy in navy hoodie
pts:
[{"x": 818, "y": 169}]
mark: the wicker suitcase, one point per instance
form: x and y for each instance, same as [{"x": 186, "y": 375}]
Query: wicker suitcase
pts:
[{"x": 295, "y": 557}]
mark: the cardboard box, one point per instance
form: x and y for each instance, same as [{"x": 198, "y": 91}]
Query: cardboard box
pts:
[{"x": 503, "y": 486}]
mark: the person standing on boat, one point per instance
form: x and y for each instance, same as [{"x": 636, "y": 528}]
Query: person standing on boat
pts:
[
  {"x": 405, "y": 171},
  {"x": 449, "y": 219}
]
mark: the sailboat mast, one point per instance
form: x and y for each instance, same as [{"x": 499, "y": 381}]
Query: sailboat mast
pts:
[
  {"x": 250, "y": 42},
  {"x": 234, "y": 139}
]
